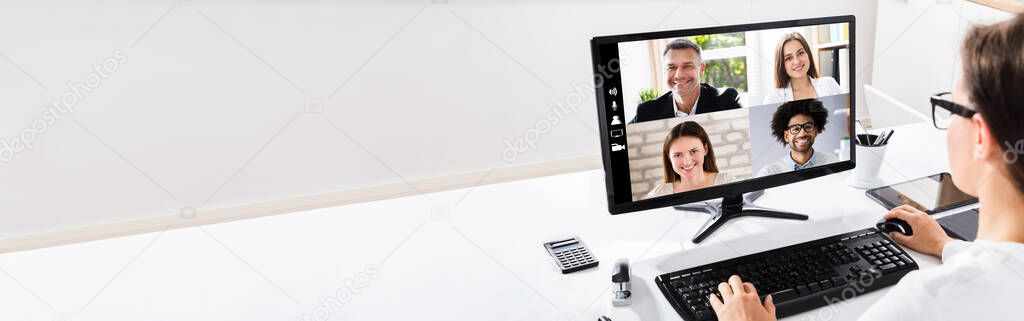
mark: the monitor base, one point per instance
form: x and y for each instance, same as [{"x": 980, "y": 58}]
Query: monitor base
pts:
[{"x": 732, "y": 207}]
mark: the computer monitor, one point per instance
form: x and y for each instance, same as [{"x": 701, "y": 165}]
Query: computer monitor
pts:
[{"x": 688, "y": 116}]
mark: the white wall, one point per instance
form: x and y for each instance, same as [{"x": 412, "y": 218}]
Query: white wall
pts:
[
  {"x": 207, "y": 109},
  {"x": 919, "y": 54}
]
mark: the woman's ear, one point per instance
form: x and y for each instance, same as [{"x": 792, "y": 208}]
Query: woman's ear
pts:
[{"x": 985, "y": 145}]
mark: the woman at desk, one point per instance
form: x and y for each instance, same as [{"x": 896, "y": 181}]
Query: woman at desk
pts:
[
  {"x": 796, "y": 76},
  {"x": 980, "y": 280},
  {"x": 688, "y": 161}
]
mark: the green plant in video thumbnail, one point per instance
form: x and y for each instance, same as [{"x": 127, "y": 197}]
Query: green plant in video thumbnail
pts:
[
  {"x": 649, "y": 94},
  {"x": 727, "y": 73}
]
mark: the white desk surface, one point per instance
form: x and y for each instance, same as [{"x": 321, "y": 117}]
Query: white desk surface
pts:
[{"x": 483, "y": 262}]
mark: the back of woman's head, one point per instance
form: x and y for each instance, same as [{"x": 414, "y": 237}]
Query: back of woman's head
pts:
[{"x": 993, "y": 60}]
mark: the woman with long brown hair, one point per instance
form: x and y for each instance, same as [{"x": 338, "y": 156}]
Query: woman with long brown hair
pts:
[
  {"x": 688, "y": 161},
  {"x": 796, "y": 75}
]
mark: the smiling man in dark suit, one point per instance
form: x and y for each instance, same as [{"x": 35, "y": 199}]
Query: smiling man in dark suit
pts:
[{"x": 688, "y": 96}]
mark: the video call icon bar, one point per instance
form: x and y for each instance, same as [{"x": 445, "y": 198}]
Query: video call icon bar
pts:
[{"x": 615, "y": 133}]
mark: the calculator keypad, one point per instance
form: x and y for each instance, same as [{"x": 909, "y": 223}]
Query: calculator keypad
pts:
[{"x": 571, "y": 257}]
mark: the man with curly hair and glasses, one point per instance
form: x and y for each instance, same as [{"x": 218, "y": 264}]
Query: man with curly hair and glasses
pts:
[{"x": 796, "y": 124}]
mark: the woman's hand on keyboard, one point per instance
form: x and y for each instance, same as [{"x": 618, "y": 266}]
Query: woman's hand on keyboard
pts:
[
  {"x": 741, "y": 302},
  {"x": 928, "y": 238}
]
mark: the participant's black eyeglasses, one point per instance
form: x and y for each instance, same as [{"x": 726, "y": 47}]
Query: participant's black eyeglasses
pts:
[
  {"x": 795, "y": 129},
  {"x": 944, "y": 108}
]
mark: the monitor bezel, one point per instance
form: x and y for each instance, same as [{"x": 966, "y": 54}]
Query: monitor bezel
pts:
[{"x": 733, "y": 188}]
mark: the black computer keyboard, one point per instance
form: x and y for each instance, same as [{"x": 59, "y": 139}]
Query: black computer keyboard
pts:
[{"x": 799, "y": 277}]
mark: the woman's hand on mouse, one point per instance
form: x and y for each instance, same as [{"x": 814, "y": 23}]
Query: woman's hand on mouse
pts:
[{"x": 928, "y": 238}]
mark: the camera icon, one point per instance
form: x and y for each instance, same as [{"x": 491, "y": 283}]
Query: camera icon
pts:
[
  {"x": 314, "y": 106},
  {"x": 440, "y": 213},
  {"x": 187, "y": 212}
]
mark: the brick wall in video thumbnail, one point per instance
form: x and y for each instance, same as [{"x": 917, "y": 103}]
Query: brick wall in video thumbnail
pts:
[{"x": 728, "y": 131}]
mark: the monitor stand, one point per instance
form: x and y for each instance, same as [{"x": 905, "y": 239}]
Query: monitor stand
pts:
[{"x": 732, "y": 206}]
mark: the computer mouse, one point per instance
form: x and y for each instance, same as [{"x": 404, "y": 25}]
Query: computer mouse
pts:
[{"x": 894, "y": 225}]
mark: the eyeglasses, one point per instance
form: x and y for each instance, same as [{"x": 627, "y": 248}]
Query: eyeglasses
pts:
[
  {"x": 795, "y": 129},
  {"x": 947, "y": 108}
]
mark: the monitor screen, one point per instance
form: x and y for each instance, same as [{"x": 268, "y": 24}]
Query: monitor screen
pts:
[{"x": 691, "y": 115}]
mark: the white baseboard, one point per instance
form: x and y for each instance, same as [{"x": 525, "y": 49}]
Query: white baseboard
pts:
[{"x": 156, "y": 223}]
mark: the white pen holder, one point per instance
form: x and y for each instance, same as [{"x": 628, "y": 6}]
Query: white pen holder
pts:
[{"x": 869, "y": 160}]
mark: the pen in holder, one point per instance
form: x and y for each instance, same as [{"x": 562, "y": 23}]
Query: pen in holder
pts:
[{"x": 870, "y": 152}]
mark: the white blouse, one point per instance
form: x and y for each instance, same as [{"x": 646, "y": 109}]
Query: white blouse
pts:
[
  {"x": 978, "y": 280},
  {"x": 824, "y": 86},
  {"x": 666, "y": 188}
]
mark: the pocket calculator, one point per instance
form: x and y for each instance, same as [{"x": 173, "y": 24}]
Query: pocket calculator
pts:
[{"x": 571, "y": 255}]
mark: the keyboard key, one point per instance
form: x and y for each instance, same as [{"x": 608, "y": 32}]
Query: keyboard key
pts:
[
  {"x": 825, "y": 284},
  {"x": 814, "y": 287},
  {"x": 802, "y": 290},
  {"x": 784, "y": 295},
  {"x": 838, "y": 281},
  {"x": 694, "y": 304}
]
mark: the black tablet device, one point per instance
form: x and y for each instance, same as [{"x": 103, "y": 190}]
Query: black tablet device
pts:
[
  {"x": 930, "y": 194},
  {"x": 963, "y": 225}
]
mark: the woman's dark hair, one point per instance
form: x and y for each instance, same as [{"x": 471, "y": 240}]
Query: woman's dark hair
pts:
[
  {"x": 810, "y": 107},
  {"x": 692, "y": 129},
  {"x": 781, "y": 77},
  {"x": 993, "y": 61}
]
